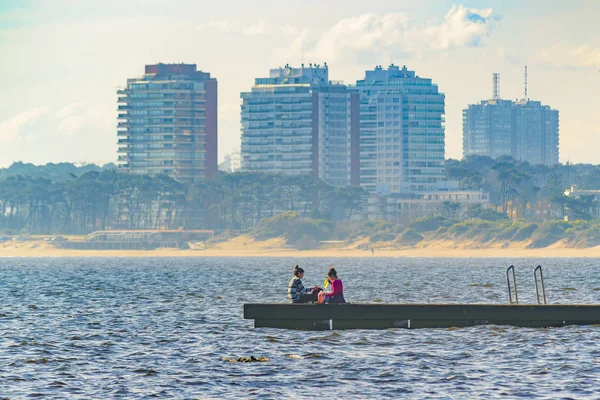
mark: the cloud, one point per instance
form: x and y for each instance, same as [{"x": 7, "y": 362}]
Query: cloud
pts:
[
  {"x": 563, "y": 55},
  {"x": 75, "y": 118},
  {"x": 259, "y": 28},
  {"x": 509, "y": 56},
  {"x": 51, "y": 134},
  {"x": 385, "y": 34},
  {"x": 69, "y": 120},
  {"x": 254, "y": 29},
  {"x": 13, "y": 128},
  {"x": 461, "y": 27},
  {"x": 70, "y": 109},
  {"x": 370, "y": 35},
  {"x": 367, "y": 32}
]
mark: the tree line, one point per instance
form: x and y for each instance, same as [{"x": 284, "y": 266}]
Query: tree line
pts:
[
  {"x": 519, "y": 186},
  {"x": 105, "y": 199},
  {"x": 63, "y": 198}
]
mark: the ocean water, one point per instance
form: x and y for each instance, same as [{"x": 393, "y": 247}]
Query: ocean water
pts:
[{"x": 103, "y": 328}]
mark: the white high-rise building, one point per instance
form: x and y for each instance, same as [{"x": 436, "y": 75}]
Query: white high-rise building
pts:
[
  {"x": 297, "y": 122},
  {"x": 401, "y": 132}
]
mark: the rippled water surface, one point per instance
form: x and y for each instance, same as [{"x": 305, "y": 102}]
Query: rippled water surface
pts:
[{"x": 141, "y": 328}]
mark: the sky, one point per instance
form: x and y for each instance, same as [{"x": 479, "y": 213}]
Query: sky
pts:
[{"x": 63, "y": 60}]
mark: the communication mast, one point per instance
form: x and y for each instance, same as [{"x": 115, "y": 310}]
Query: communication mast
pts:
[
  {"x": 525, "y": 98},
  {"x": 496, "y": 92}
]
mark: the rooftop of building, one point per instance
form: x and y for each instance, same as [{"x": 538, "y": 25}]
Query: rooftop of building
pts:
[
  {"x": 528, "y": 103},
  {"x": 160, "y": 71},
  {"x": 393, "y": 75},
  {"x": 313, "y": 74}
]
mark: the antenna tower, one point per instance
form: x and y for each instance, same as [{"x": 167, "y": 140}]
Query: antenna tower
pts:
[
  {"x": 496, "y": 92},
  {"x": 526, "y": 98}
]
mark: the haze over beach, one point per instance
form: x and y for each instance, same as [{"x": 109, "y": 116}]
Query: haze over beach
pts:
[{"x": 260, "y": 199}]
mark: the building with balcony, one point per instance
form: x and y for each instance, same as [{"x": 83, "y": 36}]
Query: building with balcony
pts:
[
  {"x": 231, "y": 162},
  {"x": 401, "y": 132},
  {"x": 167, "y": 123},
  {"x": 298, "y": 122},
  {"x": 524, "y": 129},
  {"x": 487, "y": 129},
  {"x": 536, "y": 132}
]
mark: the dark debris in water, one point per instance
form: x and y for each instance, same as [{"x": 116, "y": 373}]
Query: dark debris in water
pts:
[
  {"x": 39, "y": 361},
  {"x": 146, "y": 372},
  {"x": 313, "y": 355},
  {"x": 485, "y": 285},
  {"x": 250, "y": 359}
]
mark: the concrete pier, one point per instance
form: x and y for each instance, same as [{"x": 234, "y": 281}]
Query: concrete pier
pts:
[{"x": 384, "y": 316}]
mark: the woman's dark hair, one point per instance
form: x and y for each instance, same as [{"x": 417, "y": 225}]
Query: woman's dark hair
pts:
[
  {"x": 332, "y": 272},
  {"x": 297, "y": 270}
]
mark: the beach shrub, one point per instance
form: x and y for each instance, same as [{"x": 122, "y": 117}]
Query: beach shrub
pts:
[
  {"x": 580, "y": 239},
  {"x": 376, "y": 226},
  {"x": 223, "y": 237},
  {"x": 554, "y": 227},
  {"x": 429, "y": 224},
  {"x": 439, "y": 234},
  {"x": 409, "y": 236},
  {"x": 524, "y": 232},
  {"x": 548, "y": 233},
  {"x": 482, "y": 230},
  {"x": 577, "y": 226},
  {"x": 456, "y": 230},
  {"x": 383, "y": 237},
  {"x": 274, "y": 227},
  {"x": 317, "y": 229},
  {"x": 508, "y": 231}
]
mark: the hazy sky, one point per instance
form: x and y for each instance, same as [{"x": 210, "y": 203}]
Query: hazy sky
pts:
[{"x": 62, "y": 60}]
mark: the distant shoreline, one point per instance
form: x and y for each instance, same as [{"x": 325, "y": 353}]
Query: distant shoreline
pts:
[{"x": 24, "y": 251}]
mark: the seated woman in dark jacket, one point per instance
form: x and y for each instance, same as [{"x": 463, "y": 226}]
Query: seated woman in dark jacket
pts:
[{"x": 297, "y": 293}]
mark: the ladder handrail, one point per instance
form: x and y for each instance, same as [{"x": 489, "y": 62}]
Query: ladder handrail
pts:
[
  {"x": 510, "y": 300},
  {"x": 537, "y": 291}
]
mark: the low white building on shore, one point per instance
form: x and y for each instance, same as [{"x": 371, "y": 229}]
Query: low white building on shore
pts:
[{"x": 404, "y": 208}]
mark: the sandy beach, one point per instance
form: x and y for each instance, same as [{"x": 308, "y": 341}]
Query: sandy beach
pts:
[{"x": 271, "y": 249}]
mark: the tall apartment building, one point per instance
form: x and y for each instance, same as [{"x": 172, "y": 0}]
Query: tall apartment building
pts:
[
  {"x": 167, "y": 123},
  {"x": 487, "y": 128},
  {"x": 401, "y": 132},
  {"x": 536, "y": 133},
  {"x": 297, "y": 122},
  {"x": 524, "y": 129}
]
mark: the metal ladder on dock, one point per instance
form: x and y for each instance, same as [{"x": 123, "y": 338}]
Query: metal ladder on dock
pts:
[
  {"x": 536, "y": 271},
  {"x": 514, "y": 279},
  {"x": 535, "y": 279}
]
